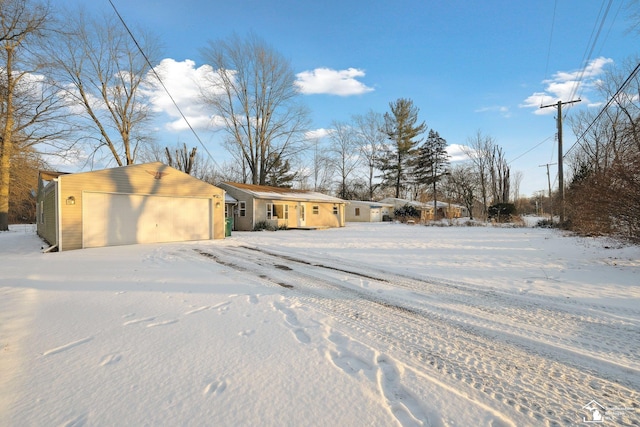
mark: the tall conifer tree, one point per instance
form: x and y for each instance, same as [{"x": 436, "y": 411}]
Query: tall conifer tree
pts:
[{"x": 402, "y": 130}]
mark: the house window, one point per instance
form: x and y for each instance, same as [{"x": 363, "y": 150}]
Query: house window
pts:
[
  {"x": 242, "y": 210},
  {"x": 335, "y": 210},
  {"x": 357, "y": 211},
  {"x": 315, "y": 209},
  {"x": 277, "y": 211}
]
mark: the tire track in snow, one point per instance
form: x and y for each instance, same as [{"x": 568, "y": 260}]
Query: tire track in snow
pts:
[
  {"x": 589, "y": 333},
  {"x": 432, "y": 334}
]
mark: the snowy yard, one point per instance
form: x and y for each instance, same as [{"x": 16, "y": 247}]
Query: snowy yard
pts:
[{"x": 372, "y": 324}]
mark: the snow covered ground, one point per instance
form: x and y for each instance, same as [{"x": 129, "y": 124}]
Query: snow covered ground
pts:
[{"x": 372, "y": 324}]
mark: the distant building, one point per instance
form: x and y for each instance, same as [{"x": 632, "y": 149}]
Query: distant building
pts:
[
  {"x": 427, "y": 211},
  {"x": 283, "y": 207},
  {"x": 365, "y": 211}
]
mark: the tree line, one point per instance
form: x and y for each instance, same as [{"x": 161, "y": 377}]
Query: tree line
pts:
[{"x": 82, "y": 88}]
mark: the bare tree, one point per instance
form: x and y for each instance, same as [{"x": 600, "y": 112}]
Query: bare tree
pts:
[
  {"x": 320, "y": 171},
  {"x": 371, "y": 139},
  {"x": 462, "y": 185},
  {"x": 344, "y": 154},
  {"x": 479, "y": 151},
  {"x": 500, "y": 176},
  {"x": 103, "y": 74},
  {"x": 181, "y": 158},
  {"x": 29, "y": 106},
  {"x": 252, "y": 91},
  {"x": 516, "y": 181},
  {"x": 603, "y": 196}
]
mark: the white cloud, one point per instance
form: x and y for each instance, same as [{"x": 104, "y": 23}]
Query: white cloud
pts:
[
  {"x": 332, "y": 82},
  {"x": 183, "y": 81},
  {"x": 502, "y": 110},
  {"x": 564, "y": 84},
  {"x": 457, "y": 152},
  {"x": 317, "y": 133}
]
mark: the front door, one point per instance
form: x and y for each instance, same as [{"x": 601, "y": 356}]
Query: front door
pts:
[{"x": 301, "y": 216}]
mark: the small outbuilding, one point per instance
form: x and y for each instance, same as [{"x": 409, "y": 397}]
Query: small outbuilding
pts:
[
  {"x": 280, "y": 207},
  {"x": 364, "y": 211},
  {"x": 144, "y": 203}
]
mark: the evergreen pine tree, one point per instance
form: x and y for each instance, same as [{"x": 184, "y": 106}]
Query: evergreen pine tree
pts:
[
  {"x": 402, "y": 131},
  {"x": 280, "y": 174},
  {"x": 431, "y": 164}
]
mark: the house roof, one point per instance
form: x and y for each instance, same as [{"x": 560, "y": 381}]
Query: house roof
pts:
[
  {"x": 50, "y": 175},
  {"x": 418, "y": 205},
  {"x": 282, "y": 193},
  {"x": 370, "y": 203}
]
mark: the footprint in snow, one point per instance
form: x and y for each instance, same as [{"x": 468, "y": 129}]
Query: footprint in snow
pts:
[
  {"x": 163, "y": 323},
  {"x": 198, "y": 310},
  {"x": 302, "y": 336},
  {"x": 215, "y": 387},
  {"x": 135, "y": 321},
  {"x": 247, "y": 333},
  {"x": 66, "y": 346},
  {"x": 289, "y": 315},
  {"x": 110, "y": 359},
  {"x": 79, "y": 421},
  {"x": 405, "y": 407}
]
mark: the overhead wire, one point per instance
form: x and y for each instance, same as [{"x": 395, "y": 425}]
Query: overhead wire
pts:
[
  {"x": 553, "y": 23},
  {"x": 530, "y": 150},
  {"x": 157, "y": 76},
  {"x": 613, "y": 97},
  {"x": 593, "y": 40}
]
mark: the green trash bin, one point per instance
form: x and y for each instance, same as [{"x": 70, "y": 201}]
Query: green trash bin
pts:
[{"x": 228, "y": 226}]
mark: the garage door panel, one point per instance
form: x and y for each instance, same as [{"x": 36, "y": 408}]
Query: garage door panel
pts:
[{"x": 121, "y": 219}]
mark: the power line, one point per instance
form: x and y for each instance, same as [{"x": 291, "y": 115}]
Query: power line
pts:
[
  {"x": 553, "y": 22},
  {"x": 593, "y": 39},
  {"x": 620, "y": 89},
  {"x": 162, "y": 84},
  {"x": 530, "y": 150}
]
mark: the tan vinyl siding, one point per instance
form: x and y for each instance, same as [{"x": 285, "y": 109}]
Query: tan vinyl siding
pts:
[{"x": 325, "y": 216}]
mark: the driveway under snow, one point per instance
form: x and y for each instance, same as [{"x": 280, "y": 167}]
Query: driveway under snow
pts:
[{"x": 372, "y": 324}]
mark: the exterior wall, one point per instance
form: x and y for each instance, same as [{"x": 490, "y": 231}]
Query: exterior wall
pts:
[
  {"x": 260, "y": 213},
  {"x": 243, "y": 223},
  {"x": 325, "y": 216},
  {"x": 366, "y": 211},
  {"x": 144, "y": 179},
  {"x": 47, "y": 214}
]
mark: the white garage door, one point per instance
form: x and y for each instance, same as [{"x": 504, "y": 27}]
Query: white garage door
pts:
[{"x": 124, "y": 219}]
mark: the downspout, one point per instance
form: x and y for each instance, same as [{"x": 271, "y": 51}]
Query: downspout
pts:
[{"x": 253, "y": 213}]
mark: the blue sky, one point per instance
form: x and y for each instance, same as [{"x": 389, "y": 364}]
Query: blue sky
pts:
[{"x": 468, "y": 66}]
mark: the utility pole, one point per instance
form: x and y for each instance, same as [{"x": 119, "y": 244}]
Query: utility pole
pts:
[
  {"x": 549, "y": 182},
  {"x": 560, "y": 154}
]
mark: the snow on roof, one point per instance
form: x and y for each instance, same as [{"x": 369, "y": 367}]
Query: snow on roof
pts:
[
  {"x": 419, "y": 205},
  {"x": 282, "y": 193},
  {"x": 370, "y": 203}
]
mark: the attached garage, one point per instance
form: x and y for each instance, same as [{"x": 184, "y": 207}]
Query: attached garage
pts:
[{"x": 147, "y": 203}]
